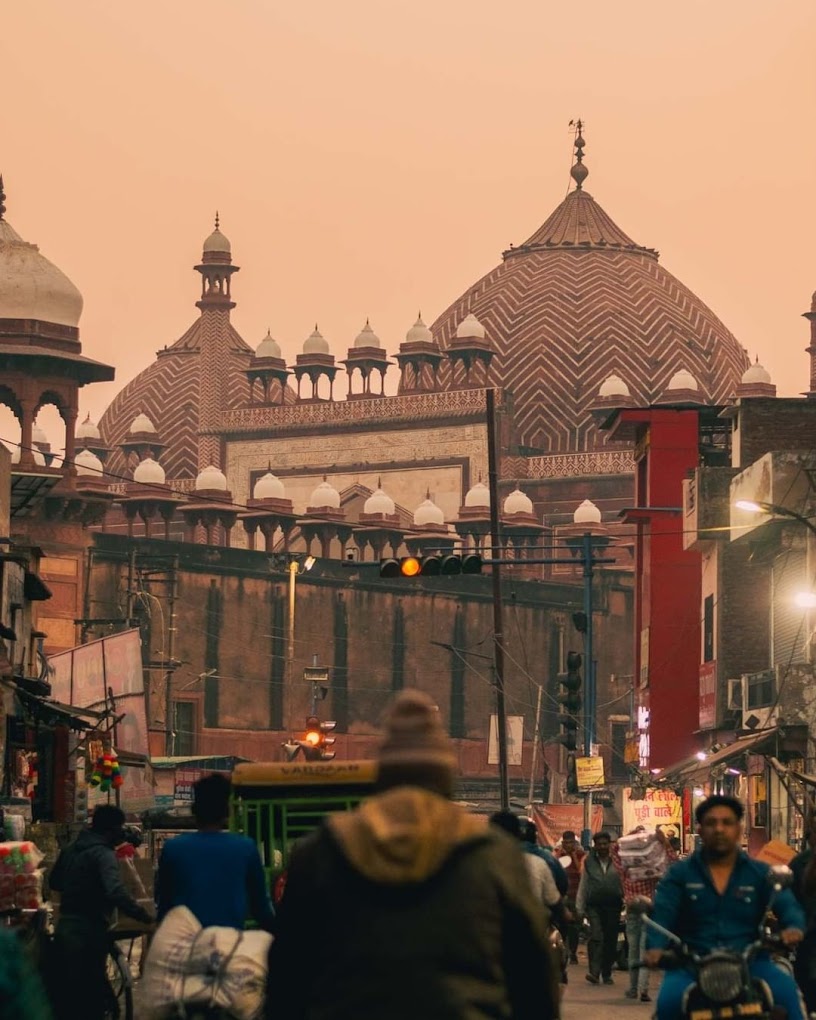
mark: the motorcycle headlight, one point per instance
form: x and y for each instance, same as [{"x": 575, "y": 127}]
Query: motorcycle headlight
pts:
[{"x": 721, "y": 980}]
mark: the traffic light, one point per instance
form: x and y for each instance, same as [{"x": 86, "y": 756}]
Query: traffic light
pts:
[
  {"x": 435, "y": 565},
  {"x": 314, "y": 742},
  {"x": 570, "y": 698}
]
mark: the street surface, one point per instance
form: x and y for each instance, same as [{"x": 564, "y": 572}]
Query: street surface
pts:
[{"x": 582, "y": 999}]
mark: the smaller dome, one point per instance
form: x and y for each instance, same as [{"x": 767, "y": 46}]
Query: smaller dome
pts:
[
  {"x": 682, "y": 380},
  {"x": 325, "y": 495},
  {"x": 587, "y": 513},
  {"x": 367, "y": 337},
  {"x": 88, "y": 463},
  {"x": 88, "y": 429},
  {"x": 518, "y": 502},
  {"x": 419, "y": 333},
  {"x": 613, "y": 386},
  {"x": 149, "y": 472},
  {"x": 39, "y": 460},
  {"x": 756, "y": 374},
  {"x": 470, "y": 327},
  {"x": 379, "y": 502},
  {"x": 38, "y": 435},
  {"x": 478, "y": 496},
  {"x": 269, "y": 486},
  {"x": 428, "y": 513},
  {"x": 211, "y": 478},
  {"x": 217, "y": 242},
  {"x": 141, "y": 423},
  {"x": 268, "y": 347},
  {"x": 316, "y": 343}
]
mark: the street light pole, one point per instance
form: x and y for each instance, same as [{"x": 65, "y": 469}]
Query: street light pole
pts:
[{"x": 589, "y": 674}]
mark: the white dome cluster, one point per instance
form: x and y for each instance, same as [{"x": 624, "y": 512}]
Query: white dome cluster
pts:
[
  {"x": 325, "y": 495},
  {"x": 141, "y": 423},
  {"x": 211, "y": 478},
  {"x": 613, "y": 386},
  {"x": 268, "y": 486},
  {"x": 88, "y": 463},
  {"x": 428, "y": 513},
  {"x": 149, "y": 472},
  {"x": 268, "y": 347},
  {"x": 367, "y": 337},
  {"x": 379, "y": 502},
  {"x": 88, "y": 429},
  {"x": 518, "y": 502},
  {"x": 470, "y": 328},
  {"x": 478, "y": 496}
]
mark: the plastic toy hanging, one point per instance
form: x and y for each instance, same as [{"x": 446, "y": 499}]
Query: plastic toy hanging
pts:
[{"x": 107, "y": 774}]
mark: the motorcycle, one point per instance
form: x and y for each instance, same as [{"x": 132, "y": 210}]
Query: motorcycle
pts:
[{"x": 723, "y": 985}]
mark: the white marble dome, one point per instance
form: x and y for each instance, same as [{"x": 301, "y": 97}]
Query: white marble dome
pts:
[
  {"x": 88, "y": 463},
  {"x": 419, "y": 333},
  {"x": 428, "y": 513},
  {"x": 268, "y": 347},
  {"x": 217, "y": 242},
  {"x": 88, "y": 429},
  {"x": 379, "y": 502},
  {"x": 587, "y": 513},
  {"x": 149, "y": 472},
  {"x": 315, "y": 343},
  {"x": 478, "y": 496},
  {"x": 39, "y": 460},
  {"x": 269, "y": 486},
  {"x": 141, "y": 423},
  {"x": 756, "y": 374},
  {"x": 211, "y": 478},
  {"x": 518, "y": 502},
  {"x": 682, "y": 380},
  {"x": 367, "y": 337},
  {"x": 325, "y": 495},
  {"x": 31, "y": 287},
  {"x": 38, "y": 435},
  {"x": 469, "y": 328},
  {"x": 613, "y": 386}
]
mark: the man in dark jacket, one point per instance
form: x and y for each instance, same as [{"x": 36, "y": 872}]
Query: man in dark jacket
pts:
[
  {"x": 803, "y": 867},
  {"x": 90, "y": 885},
  {"x": 410, "y": 907},
  {"x": 600, "y": 898}
]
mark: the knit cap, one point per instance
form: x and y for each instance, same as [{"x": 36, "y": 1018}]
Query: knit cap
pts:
[{"x": 414, "y": 735}]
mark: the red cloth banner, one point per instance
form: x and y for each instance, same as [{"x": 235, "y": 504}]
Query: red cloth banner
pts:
[{"x": 553, "y": 819}]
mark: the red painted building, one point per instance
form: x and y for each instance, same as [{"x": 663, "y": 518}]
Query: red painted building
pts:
[{"x": 669, "y": 442}]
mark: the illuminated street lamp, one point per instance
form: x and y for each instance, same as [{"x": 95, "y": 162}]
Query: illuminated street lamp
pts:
[
  {"x": 773, "y": 509},
  {"x": 805, "y": 599}
]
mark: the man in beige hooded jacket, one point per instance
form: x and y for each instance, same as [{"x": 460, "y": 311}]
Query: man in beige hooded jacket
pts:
[{"x": 409, "y": 907}]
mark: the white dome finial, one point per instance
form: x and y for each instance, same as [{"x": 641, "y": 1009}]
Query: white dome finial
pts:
[{"x": 211, "y": 478}]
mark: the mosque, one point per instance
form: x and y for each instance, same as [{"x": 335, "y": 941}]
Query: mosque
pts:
[{"x": 222, "y": 453}]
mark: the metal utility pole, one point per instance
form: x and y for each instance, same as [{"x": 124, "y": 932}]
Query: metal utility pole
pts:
[
  {"x": 589, "y": 673},
  {"x": 498, "y": 614},
  {"x": 536, "y": 732},
  {"x": 169, "y": 738}
]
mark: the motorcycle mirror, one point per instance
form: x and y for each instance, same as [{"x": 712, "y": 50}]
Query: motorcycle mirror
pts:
[
  {"x": 780, "y": 876},
  {"x": 565, "y": 861},
  {"x": 640, "y": 905}
]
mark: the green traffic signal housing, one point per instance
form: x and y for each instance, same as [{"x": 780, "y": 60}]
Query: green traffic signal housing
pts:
[
  {"x": 570, "y": 698},
  {"x": 314, "y": 743},
  {"x": 434, "y": 565}
]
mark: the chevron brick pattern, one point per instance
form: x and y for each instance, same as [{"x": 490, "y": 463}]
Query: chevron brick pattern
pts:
[
  {"x": 562, "y": 321},
  {"x": 180, "y": 392}
]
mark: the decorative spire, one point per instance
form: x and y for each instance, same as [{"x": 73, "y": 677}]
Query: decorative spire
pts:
[
  {"x": 216, "y": 220},
  {"x": 2, "y": 198},
  {"x": 579, "y": 172}
]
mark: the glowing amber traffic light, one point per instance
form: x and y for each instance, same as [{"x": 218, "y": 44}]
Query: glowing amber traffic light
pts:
[
  {"x": 410, "y": 566},
  {"x": 431, "y": 566}
]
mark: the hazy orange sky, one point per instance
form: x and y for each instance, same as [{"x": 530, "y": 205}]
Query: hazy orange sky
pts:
[{"x": 373, "y": 157}]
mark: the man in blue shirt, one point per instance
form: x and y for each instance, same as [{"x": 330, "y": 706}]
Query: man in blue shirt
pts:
[
  {"x": 717, "y": 898},
  {"x": 217, "y": 875}
]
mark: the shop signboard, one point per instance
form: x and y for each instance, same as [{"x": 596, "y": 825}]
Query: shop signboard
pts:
[
  {"x": 708, "y": 696},
  {"x": 515, "y": 740},
  {"x": 589, "y": 772},
  {"x": 659, "y": 808}
]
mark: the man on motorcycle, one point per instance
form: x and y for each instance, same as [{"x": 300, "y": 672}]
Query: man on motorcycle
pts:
[{"x": 717, "y": 898}]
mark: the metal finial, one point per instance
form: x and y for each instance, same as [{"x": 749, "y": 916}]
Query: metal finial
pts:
[
  {"x": 216, "y": 220},
  {"x": 579, "y": 172},
  {"x": 2, "y": 198}
]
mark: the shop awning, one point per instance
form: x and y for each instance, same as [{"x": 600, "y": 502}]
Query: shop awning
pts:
[
  {"x": 695, "y": 770},
  {"x": 54, "y": 712}
]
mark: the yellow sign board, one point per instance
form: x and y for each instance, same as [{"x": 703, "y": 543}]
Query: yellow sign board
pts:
[
  {"x": 776, "y": 852},
  {"x": 589, "y": 772}
]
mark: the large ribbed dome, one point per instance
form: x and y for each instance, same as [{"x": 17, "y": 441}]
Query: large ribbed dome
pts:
[
  {"x": 31, "y": 287},
  {"x": 579, "y": 301}
]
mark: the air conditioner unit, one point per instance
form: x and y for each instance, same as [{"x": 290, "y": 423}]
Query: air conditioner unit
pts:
[
  {"x": 735, "y": 694},
  {"x": 759, "y": 718}
]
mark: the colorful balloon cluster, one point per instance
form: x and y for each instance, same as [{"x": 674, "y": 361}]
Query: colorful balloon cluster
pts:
[{"x": 106, "y": 773}]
